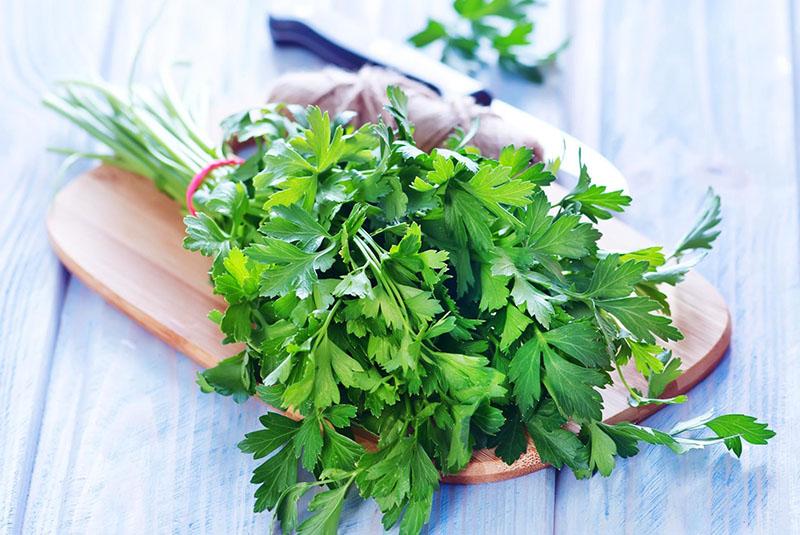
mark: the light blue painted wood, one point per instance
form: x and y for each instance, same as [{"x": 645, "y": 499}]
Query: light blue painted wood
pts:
[
  {"x": 128, "y": 443},
  {"x": 102, "y": 426},
  {"x": 697, "y": 94},
  {"x": 31, "y": 279}
]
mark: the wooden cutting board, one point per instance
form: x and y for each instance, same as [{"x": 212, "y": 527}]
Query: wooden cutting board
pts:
[{"x": 123, "y": 238}]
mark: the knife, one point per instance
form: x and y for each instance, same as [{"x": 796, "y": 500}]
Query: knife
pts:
[{"x": 341, "y": 43}]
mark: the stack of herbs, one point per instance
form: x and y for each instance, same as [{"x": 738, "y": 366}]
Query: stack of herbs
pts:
[{"x": 439, "y": 301}]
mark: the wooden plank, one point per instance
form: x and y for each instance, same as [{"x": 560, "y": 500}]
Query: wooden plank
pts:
[
  {"x": 129, "y": 443},
  {"x": 522, "y": 505},
  {"x": 31, "y": 278},
  {"x": 698, "y": 94}
]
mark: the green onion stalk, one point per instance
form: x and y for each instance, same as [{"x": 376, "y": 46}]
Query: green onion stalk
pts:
[{"x": 149, "y": 132}]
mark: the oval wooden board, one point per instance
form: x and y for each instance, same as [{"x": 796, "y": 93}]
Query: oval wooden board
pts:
[{"x": 122, "y": 237}]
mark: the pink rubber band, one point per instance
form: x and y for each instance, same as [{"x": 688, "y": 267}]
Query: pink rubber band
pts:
[{"x": 199, "y": 177}]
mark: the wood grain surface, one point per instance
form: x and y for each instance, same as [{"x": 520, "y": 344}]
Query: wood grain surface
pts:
[
  {"x": 101, "y": 425},
  {"x": 122, "y": 237}
]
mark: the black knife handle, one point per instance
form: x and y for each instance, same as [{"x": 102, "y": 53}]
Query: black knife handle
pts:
[{"x": 295, "y": 32}]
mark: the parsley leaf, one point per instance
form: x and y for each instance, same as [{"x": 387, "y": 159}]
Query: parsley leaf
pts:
[
  {"x": 671, "y": 370},
  {"x": 230, "y": 377},
  {"x": 279, "y": 472},
  {"x": 728, "y": 429},
  {"x": 493, "y": 186},
  {"x": 592, "y": 200},
  {"x": 581, "y": 341},
  {"x": 573, "y": 387},
  {"x": 635, "y": 314},
  {"x": 515, "y": 323},
  {"x": 204, "y": 235},
  {"x": 525, "y": 371},
  {"x": 488, "y": 30},
  {"x": 326, "y": 149},
  {"x": 239, "y": 278},
  {"x": 602, "y": 451},
  {"x": 692, "y": 248},
  {"x": 289, "y": 267},
  {"x": 327, "y": 508},
  {"x": 293, "y": 224},
  {"x": 705, "y": 230},
  {"x": 556, "y": 445},
  {"x": 511, "y": 440},
  {"x": 612, "y": 278},
  {"x": 537, "y": 304},
  {"x": 494, "y": 289},
  {"x": 308, "y": 442}
]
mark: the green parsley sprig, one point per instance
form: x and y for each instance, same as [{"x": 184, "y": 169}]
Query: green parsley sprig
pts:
[
  {"x": 438, "y": 301},
  {"x": 498, "y": 28}
]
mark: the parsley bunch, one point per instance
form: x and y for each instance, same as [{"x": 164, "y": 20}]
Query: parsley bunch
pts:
[
  {"x": 440, "y": 302},
  {"x": 499, "y": 28}
]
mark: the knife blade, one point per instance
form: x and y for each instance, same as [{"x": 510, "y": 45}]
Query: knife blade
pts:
[{"x": 341, "y": 43}]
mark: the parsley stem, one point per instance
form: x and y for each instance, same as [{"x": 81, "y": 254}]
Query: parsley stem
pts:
[
  {"x": 622, "y": 378},
  {"x": 323, "y": 330},
  {"x": 390, "y": 283},
  {"x": 260, "y": 317},
  {"x": 385, "y": 281}
]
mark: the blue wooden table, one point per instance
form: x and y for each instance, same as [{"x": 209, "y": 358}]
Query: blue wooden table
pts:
[{"x": 102, "y": 428}]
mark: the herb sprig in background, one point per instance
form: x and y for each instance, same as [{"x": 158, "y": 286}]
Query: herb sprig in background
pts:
[{"x": 499, "y": 31}]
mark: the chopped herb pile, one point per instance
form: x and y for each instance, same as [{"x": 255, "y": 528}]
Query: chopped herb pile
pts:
[
  {"x": 439, "y": 301},
  {"x": 498, "y": 29}
]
